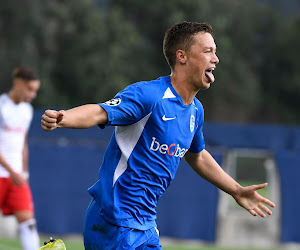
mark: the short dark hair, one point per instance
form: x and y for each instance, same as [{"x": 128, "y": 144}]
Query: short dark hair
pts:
[
  {"x": 25, "y": 74},
  {"x": 181, "y": 36}
]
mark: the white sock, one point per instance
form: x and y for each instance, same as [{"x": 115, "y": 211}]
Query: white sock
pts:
[{"x": 28, "y": 235}]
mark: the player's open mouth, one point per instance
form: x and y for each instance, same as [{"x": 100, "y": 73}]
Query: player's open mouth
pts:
[{"x": 209, "y": 75}]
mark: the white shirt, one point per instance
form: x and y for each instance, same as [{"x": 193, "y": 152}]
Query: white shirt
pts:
[{"x": 15, "y": 121}]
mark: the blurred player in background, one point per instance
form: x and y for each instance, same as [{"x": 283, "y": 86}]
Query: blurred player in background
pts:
[
  {"x": 16, "y": 114},
  {"x": 157, "y": 124}
]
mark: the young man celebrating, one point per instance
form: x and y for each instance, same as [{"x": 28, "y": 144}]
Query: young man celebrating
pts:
[
  {"x": 15, "y": 118},
  {"x": 157, "y": 123}
]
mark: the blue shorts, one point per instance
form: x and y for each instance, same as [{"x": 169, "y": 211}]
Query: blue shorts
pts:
[{"x": 99, "y": 234}]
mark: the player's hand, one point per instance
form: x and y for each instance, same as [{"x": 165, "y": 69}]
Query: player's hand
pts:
[
  {"x": 254, "y": 203},
  {"x": 17, "y": 179},
  {"x": 51, "y": 119}
]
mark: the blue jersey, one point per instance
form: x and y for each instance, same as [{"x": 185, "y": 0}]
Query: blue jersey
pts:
[{"x": 154, "y": 129}]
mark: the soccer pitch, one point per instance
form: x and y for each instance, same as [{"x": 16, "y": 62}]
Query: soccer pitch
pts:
[{"x": 77, "y": 244}]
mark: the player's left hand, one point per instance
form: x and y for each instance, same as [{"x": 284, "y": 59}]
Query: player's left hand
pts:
[{"x": 248, "y": 198}]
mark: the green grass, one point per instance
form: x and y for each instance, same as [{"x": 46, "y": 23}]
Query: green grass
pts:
[{"x": 77, "y": 244}]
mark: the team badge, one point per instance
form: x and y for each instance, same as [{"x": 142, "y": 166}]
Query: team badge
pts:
[
  {"x": 113, "y": 102},
  {"x": 192, "y": 123}
]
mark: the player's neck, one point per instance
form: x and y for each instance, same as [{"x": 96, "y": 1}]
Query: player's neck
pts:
[
  {"x": 14, "y": 97},
  {"x": 186, "y": 91}
]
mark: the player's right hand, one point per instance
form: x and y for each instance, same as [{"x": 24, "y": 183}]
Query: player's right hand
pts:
[
  {"x": 17, "y": 179},
  {"x": 51, "y": 119}
]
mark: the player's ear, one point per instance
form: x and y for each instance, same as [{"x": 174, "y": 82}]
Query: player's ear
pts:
[{"x": 181, "y": 56}]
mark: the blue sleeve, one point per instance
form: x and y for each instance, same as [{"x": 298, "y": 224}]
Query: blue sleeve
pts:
[
  {"x": 128, "y": 106},
  {"x": 198, "y": 143}
]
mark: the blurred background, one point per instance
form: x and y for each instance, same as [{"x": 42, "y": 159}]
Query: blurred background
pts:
[{"x": 86, "y": 51}]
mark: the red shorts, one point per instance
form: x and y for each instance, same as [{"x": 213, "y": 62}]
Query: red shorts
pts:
[{"x": 14, "y": 198}]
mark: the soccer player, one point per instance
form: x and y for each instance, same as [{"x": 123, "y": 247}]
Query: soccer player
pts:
[
  {"x": 15, "y": 118},
  {"x": 157, "y": 123}
]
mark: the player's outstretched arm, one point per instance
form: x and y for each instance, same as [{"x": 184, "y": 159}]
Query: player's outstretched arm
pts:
[
  {"x": 85, "y": 116},
  {"x": 247, "y": 197}
]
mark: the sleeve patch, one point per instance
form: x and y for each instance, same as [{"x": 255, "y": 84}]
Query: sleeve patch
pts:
[{"x": 113, "y": 102}]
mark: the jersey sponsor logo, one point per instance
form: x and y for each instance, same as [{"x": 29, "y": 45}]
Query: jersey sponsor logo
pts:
[
  {"x": 113, "y": 102},
  {"x": 15, "y": 130},
  {"x": 168, "y": 118},
  {"x": 192, "y": 123},
  {"x": 171, "y": 150}
]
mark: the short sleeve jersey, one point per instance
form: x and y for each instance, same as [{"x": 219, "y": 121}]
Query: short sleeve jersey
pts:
[
  {"x": 153, "y": 131},
  {"x": 15, "y": 121}
]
